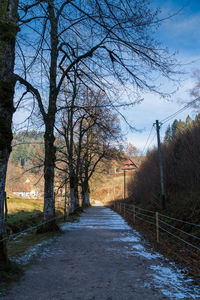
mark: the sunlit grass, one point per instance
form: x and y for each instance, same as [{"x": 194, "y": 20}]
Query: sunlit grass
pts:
[
  {"x": 16, "y": 206},
  {"x": 25, "y": 213}
]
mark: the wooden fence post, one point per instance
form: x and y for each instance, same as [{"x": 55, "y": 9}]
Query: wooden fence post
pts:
[
  {"x": 133, "y": 214},
  {"x": 157, "y": 227}
]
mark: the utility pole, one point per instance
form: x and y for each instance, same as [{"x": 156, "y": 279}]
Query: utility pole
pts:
[{"x": 161, "y": 166}]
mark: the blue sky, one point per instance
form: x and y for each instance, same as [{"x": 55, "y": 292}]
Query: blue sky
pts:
[{"x": 181, "y": 34}]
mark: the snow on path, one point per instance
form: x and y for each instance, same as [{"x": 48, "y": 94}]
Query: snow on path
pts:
[{"x": 102, "y": 257}]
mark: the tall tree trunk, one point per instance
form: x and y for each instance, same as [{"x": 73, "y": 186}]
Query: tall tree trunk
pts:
[
  {"x": 85, "y": 194},
  {"x": 76, "y": 198},
  {"x": 4, "y": 155},
  {"x": 72, "y": 199},
  {"x": 76, "y": 195},
  {"x": 8, "y": 32},
  {"x": 49, "y": 168},
  {"x": 50, "y": 150}
]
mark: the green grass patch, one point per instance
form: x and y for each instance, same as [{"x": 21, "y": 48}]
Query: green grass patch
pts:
[
  {"x": 17, "y": 248},
  {"x": 22, "y": 221}
]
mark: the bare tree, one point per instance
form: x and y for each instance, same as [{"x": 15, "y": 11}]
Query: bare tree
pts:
[
  {"x": 102, "y": 129},
  {"x": 114, "y": 43},
  {"x": 131, "y": 150},
  {"x": 8, "y": 32},
  {"x": 88, "y": 127}
]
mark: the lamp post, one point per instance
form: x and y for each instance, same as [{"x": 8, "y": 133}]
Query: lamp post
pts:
[{"x": 125, "y": 184}]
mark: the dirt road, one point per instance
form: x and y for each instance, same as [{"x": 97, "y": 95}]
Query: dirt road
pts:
[{"x": 99, "y": 258}]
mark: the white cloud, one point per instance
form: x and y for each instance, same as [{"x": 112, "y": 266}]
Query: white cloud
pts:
[
  {"x": 154, "y": 108},
  {"x": 186, "y": 25}
]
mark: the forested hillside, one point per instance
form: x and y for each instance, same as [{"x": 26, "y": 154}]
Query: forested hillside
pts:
[
  {"x": 181, "y": 163},
  {"x": 26, "y": 145}
]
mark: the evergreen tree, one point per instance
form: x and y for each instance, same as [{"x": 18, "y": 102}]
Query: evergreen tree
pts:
[
  {"x": 167, "y": 134},
  {"x": 177, "y": 128},
  {"x": 180, "y": 127},
  {"x": 188, "y": 122},
  {"x": 174, "y": 128}
]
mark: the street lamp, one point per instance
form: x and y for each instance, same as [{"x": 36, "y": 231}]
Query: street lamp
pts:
[{"x": 125, "y": 183}]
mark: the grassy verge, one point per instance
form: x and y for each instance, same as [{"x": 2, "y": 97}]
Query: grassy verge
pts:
[
  {"x": 16, "y": 248},
  {"x": 20, "y": 220},
  {"x": 16, "y": 205},
  {"x": 25, "y": 213}
]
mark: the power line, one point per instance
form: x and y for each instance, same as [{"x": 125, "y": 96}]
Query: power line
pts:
[
  {"x": 152, "y": 140},
  {"x": 179, "y": 111},
  {"x": 147, "y": 139},
  {"x": 166, "y": 120}
]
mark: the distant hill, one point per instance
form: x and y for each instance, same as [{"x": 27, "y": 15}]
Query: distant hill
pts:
[{"x": 25, "y": 146}]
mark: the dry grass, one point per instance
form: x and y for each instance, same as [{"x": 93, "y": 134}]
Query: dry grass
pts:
[
  {"x": 111, "y": 187},
  {"x": 25, "y": 213},
  {"x": 16, "y": 206}
]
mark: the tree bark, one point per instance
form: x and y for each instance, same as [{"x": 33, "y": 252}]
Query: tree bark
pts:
[
  {"x": 76, "y": 196},
  {"x": 74, "y": 192},
  {"x": 49, "y": 138},
  {"x": 49, "y": 169},
  {"x": 8, "y": 32},
  {"x": 72, "y": 199},
  {"x": 85, "y": 195}
]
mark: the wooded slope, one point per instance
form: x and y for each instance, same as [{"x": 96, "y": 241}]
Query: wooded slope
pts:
[{"x": 181, "y": 160}]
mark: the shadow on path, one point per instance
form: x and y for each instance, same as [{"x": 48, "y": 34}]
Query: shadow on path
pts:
[{"x": 101, "y": 257}]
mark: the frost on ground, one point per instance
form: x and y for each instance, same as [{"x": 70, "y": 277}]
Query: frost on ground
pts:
[
  {"x": 33, "y": 252},
  {"x": 169, "y": 279},
  {"x": 101, "y": 257}
]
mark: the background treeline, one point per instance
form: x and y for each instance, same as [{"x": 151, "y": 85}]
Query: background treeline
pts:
[
  {"x": 26, "y": 145},
  {"x": 181, "y": 163}
]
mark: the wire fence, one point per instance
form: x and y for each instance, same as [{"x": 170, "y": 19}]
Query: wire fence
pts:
[
  {"x": 29, "y": 229},
  {"x": 164, "y": 223},
  {"x": 60, "y": 207}
]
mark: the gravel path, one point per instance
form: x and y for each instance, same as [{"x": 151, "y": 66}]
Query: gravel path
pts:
[{"x": 101, "y": 258}]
